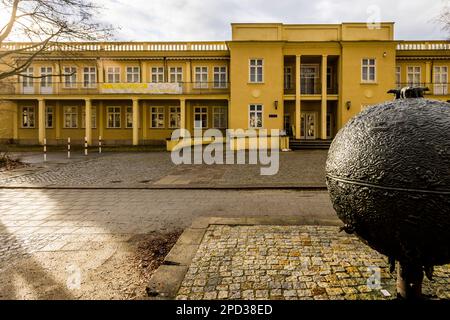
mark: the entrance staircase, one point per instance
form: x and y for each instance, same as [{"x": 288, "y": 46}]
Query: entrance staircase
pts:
[{"x": 309, "y": 144}]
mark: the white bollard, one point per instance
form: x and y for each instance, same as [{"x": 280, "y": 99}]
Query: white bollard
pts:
[
  {"x": 68, "y": 148},
  {"x": 100, "y": 144},
  {"x": 85, "y": 146},
  {"x": 45, "y": 150}
]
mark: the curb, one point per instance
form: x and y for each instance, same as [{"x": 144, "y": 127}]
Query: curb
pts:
[
  {"x": 166, "y": 281},
  {"x": 172, "y": 187}
]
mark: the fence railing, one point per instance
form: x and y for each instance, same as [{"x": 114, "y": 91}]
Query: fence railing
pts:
[
  {"x": 118, "y": 46},
  {"x": 437, "y": 89},
  {"x": 87, "y": 88},
  {"x": 424, "y": 45}
]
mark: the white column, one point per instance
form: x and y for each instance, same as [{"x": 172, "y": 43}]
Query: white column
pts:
[
  {"x": 41, "y": 120},
  {"x": 323, "y": 113},
  {"x": 298, "y": 104},
  {"x": 88, "y": 121},
  {"x": 17, "y": 109},
  {"x": 135, "y": 122}
]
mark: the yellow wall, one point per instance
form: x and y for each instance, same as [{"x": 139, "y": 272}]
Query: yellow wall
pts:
[{"x": 244, "y": 93}]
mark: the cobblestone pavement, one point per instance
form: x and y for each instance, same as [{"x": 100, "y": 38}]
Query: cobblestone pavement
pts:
[
  {"x": 292, "y": 262},
  {"x": 50, "y": 237},
  {"x": 140, "y": 170}
]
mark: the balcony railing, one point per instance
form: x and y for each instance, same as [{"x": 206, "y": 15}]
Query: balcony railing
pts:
[
  {"x": 77, "y": 88},
  {"x": 423, "y": 45},
  {"x": 310, "y": 86},
  {"x": 437, "y": 89},
  {"x": 119, "y": 46}
]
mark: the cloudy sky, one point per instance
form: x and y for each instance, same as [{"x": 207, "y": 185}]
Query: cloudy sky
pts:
[{"x": 163, "y": 20}]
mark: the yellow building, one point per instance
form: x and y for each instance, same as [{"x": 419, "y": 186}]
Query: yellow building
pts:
[{"x": 308, "y": 80}]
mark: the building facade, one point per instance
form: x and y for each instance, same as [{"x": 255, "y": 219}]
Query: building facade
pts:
[{"x": 307, "y": 80}]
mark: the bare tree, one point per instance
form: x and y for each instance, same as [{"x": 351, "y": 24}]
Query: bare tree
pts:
[
  {"x": 444, "y": 19},
  {"x": 44, "y": 24}
]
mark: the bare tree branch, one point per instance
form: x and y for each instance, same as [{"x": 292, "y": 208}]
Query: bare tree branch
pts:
[{"x": 46, "y": 25}]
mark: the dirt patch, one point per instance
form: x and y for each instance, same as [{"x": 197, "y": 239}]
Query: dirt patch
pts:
[
  {"x": 151, "y": 250},
  {"x": 7, "y": 163}
]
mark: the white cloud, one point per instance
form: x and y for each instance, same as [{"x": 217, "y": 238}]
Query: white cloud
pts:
[{"x": 182, "y": 20}]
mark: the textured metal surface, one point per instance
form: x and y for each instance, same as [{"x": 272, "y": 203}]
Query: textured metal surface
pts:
[{"x": 388, "y": 174}]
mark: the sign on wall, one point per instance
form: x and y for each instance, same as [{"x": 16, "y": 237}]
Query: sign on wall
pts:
[{"x": 142, "y": 88}]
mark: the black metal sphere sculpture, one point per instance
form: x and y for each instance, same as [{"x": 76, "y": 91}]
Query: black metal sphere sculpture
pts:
[{"x": 388, "y": 175}]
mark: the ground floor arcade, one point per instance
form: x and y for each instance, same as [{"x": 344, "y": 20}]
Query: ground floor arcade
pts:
[{"x": 134, "y": 121}]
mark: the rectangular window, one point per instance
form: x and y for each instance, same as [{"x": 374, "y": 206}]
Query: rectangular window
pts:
[
  {"x": 113, "y": 116},
  {"x": 329, "y": 78},
  {"x": 255, "y": 116},
  {"x": 113, "y": 74},
  {"x": 49, "y": 116},
  {"x": 89, "y": 77},
  {"x": 157, "y": 74},
  {"x": 309, "y": 79},
  {"x": 129, "y": 118},
  {"x": 368, "y": 70},
  {"x": 174, "y": 117},
  {"x": 256, "y": 70},
  {"x": 220, "y": 77},
  {"x": 288, "y": 78},
  {"x": 93, "y": 117},
  {"x": 70, "y": 77},
  {"x": 27, "y": 80},
  {"x": 46, "y": 77},
  {"x": 70, "y": 117},
  {"x": 201, "y": 77},
  {"x": 133, "y": 74},
  {"x": 414, "y": 76},
  {"x": 200, "y": 117},
  {"x": 398, "y": 77},
  {"x": 220, "y": 117},
  {"x": 440, "y": 80},
  {"x": 157, "y": 114},
  {"x": 176, "y": 74},
  {"x": 28, "y": 117}
]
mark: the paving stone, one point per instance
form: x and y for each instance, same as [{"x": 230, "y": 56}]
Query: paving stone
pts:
[{"x": 331, "y": 265}]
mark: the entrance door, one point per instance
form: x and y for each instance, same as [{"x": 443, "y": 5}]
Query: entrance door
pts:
[
  {"x": 308, "y": 126},
  {"x": 287, "y": 124}
]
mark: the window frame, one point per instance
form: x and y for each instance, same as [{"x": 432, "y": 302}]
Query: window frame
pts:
[
  {"x": 225, "y": 117},
  {"x": 256, "y": 67},
  {"x": 28, "y": 108},
  {"x": 256, "y": 112},
  {"x": 203, "y": 112},
  {"x": 115, "y": 73},
  {"x": 47, "y": 113},
  {"x": 220, "y": 84},
  {"x": 177, "y": 114},
  {"x": 133, "y": 72},
  {"x": 398, "y": 76},
  {"x": 414, "y": 73},
  {"x": 287, "y": 85},
  {"x": 69, "y": 76},
  {"x": 201, "y": 84},
  {"x": 89, "y": 74},
  {"x": 159, "y": 73},
  {"x": 158, "y": 113},
  {"x": 115, "y": 113},
  {"x": 74, "y": 115},
  {"x": 27, "y": 81},
  {"x": 368, "y": 67},
  {"x": 46, "y": 77},
  {"x": 176, "y": 72}
]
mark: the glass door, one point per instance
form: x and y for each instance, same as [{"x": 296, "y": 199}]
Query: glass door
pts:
[
  {"x": 440, "y": 80},
  {"x": 308, "y": 126}
]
